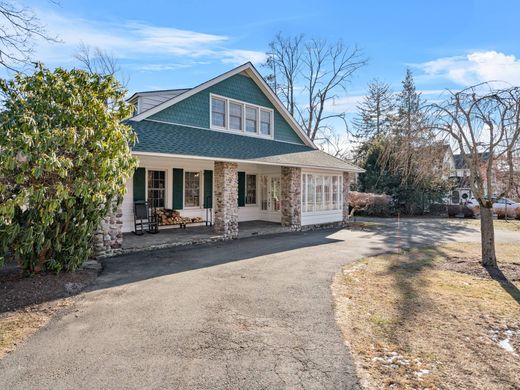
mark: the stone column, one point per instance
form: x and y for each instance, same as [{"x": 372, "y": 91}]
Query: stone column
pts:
[
  {"x": 225, "y": 176},
  {"x": 108, "y": 239},
  {"x": 346, "y": 189},
  {"x": 291, "y": 192}
]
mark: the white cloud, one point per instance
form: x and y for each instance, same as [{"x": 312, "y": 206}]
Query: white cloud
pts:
[
  {"x": 475, "y": 67},
  {"x": 134, "y": 41},
  {"x": 237, "y": 57},
  {"x": 347, "y": 104}
]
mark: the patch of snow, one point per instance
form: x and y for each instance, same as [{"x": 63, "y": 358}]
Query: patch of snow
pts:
[
  {"x": 507, "y": 345},
  {"x": 422, "y": 373}
]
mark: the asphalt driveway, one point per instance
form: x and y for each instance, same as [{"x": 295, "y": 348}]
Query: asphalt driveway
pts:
[{"x": 251, "y": 314}]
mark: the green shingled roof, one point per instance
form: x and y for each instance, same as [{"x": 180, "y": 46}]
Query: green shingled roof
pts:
[{"x": 195, "y": 142}]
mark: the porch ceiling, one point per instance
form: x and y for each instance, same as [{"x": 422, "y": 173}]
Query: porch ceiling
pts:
[{"x": 157, "y": 137}]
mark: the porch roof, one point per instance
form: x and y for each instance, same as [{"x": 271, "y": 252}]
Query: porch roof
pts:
[{"x": 166, "y": 138}]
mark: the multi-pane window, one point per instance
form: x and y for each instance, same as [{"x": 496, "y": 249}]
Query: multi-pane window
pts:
[
  {"x": 335, "y": 193},
  {"x": 191, "y": 189},
  {"x": 250, "y": 189},
  {"x": 265, "y": 122},
  {"x": 218, "y": 112},
  {"x": 156, "y": 188},
  {"x": 236, "y": 113},
  {"x": 251, "y": 119},
  {"x": 230, "y": 114},
  {"x": 321, "y": 192}
]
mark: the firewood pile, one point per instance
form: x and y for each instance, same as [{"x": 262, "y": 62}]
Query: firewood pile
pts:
[{"x": 173, "y": 217}]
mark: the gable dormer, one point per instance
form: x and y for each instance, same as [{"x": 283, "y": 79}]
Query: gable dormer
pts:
[{"x": 238, "y": 102}]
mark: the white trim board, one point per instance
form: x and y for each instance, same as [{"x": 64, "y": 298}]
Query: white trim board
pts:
[
  {"x": 250, "y": 70},
  {"x": 318, "y": 168}
]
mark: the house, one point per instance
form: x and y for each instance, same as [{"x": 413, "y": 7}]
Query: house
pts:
[
  {"x": 229, "y": 150},
  {"x": 458, "y": 171}
]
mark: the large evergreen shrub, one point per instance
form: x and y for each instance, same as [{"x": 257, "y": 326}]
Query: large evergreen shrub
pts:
[{"x": 65, "y": 157}]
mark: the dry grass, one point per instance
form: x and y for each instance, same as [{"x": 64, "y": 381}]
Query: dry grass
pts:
[
  {"x": 364, "y": 225},
  {"x": 430, "y": 319},
  {"x": 500, "y": 224},
  {"x": 28, "y": 303},
  {"x": 18, "y": 326}
]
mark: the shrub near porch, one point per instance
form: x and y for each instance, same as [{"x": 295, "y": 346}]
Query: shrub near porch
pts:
[{"x": 432, "y": 318}]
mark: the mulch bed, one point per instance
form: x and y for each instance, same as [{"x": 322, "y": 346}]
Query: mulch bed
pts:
[
  {"x": 506, "y": 272},
  {"x": 18, "y": 291}
]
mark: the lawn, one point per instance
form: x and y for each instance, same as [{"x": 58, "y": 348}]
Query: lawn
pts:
[
  {"x": 432, "y": 318},
  {"x": 500, "y": 224}
]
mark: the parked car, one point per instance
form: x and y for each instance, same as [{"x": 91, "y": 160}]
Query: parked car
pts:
[{"x": 504, "y": 206}]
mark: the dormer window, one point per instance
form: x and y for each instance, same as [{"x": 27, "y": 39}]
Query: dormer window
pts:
[
  {"x": 251, "y": 119},
  {"x": 237, "y": 116},
  {"x": 218, "y": 113},
  {"x": 265, "y": 122}
]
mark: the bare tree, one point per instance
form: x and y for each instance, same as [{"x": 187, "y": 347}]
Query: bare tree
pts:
[
  {"x": 285, "y": 61},
  {"x": 479, "y": 120},
  {"x": 309, "y": 75},
  {"x": 96, "y": 60},
  {"x": 19, "y": 27}
]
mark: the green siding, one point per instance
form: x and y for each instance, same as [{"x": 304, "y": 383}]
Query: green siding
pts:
[
  {"x": 241, "y": 189},
  {"x": 140, "y": 184},
  {"x": 194, "y": 111},
  {"x": 208, "y": 189},
  {"x": 178, "y": 189}
]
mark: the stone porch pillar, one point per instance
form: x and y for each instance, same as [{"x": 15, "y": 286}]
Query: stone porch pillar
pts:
[
  {"x": 108, "y": 239},
  {"x": 346, "y": 189},
  {"x": 225, "y": 176},
  {"x": 291, "y": 193}
]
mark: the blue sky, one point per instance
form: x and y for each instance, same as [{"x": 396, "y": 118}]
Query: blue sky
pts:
[{"x": 172, "y": 44}]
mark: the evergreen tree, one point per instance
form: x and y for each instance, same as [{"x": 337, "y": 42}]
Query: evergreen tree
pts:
[
  {"x": 401, "y": 160},
  {"x": 409, "y": 116},
  {"x": 375, "y": 112}
]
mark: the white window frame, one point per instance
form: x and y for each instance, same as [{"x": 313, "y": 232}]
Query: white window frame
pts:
[
  {"x": 257, "y": 118},
  {"x": 226, "y": 113},
  {"x": 165, "y": 184},
  {"x": 305, "y": 195},
  {"x": 201, "y": 201},
  {"x": 244, "y": 105},
  {"x": 260, "y": 122}
]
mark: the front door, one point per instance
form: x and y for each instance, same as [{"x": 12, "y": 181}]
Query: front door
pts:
[{"x": 270, "y": 198}]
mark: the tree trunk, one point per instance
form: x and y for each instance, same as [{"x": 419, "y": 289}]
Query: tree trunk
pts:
[{"x": 487, "y": 232}]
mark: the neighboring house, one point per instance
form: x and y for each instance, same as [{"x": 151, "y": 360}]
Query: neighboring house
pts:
[
  {"x": 229, "y": 147},
  {"x": 458, "y": 171}
]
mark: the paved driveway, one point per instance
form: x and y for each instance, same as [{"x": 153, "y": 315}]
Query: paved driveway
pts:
[{"x": 251, "y": 314}]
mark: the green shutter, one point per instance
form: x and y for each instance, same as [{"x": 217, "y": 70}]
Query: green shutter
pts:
[
  {"x": 140, "y": 184},
  {"x": 208, "y": 189},
  {"x": 178, "y": 188},
  {"x": 241, "y": 189}
]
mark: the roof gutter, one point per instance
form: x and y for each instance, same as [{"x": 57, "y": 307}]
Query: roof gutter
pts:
[{"x": 185, "y": 156}]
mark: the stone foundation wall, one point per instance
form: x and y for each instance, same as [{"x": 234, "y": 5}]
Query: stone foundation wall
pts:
[
  {"x": 225, "y": 176},
  {"x": 346, "y": 190},
  {"x": 291, "y": 193},
  {"x": 108, "y": 240}
]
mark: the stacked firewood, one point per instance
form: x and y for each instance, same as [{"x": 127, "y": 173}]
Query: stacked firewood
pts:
[{"x": 173, "y": 217}]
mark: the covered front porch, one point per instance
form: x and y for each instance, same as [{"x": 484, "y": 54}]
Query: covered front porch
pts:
[
  {"x": 195, "y": 234},
  {"x": 216, "y": 193},
  {"x": 225, "y": 199}
]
